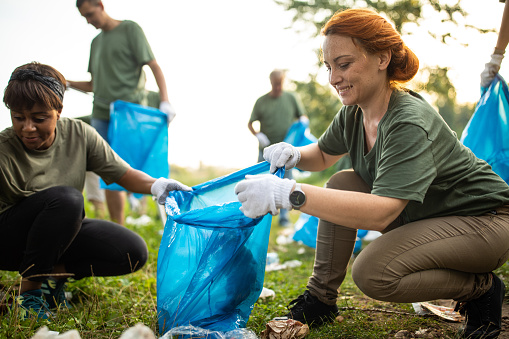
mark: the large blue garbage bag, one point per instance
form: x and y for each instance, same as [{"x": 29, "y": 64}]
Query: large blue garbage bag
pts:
[
  {"x": 299, "y": 134},
  {"x": 139, "y": 135},
  {"x": 306, "y": 230},
  {"x": 211, "y": 261},
  {"x": 487, "y": 132}
]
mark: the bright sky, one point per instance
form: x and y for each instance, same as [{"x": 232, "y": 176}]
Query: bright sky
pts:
[{"x": 216, "y": 57}]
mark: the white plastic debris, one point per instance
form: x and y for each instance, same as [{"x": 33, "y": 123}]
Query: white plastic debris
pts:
[
  {"x": 267, "y": 293},
  {"x": 143, "y": 220},
  {"x": 45, "y": 333},
  {"x": 139, "y": 331}
]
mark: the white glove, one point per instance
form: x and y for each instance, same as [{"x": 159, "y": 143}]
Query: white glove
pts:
[
  {"x": 167, "y": 108},
  {"x": 281, "y": 154},
  {"x": 304, "y": 119},
  {"x": 261, "y": 194},
  {"x": 491, "y": 69},
  {"x": 262, "y": 139},
  {"x": 162, "y": 186}
]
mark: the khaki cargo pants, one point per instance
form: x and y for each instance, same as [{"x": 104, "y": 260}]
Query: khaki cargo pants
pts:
[{"x": 438, "y": 258}]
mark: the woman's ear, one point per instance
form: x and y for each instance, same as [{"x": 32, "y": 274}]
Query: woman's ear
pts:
[
  {"x": 59, "y": 111},
  {"x": 384, "y": 59}
]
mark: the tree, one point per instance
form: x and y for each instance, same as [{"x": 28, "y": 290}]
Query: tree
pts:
[
  {"x": 399, "y": 12},
  {"x": 313, "y": 14}
]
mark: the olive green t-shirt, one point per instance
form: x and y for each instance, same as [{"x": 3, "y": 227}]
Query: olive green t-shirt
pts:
[
  {"x": 116, "y": 61},
  {"x": 276, "y": 115},
  {"x": 416, "y": 157},
  {"x": 77, "y": 148}
]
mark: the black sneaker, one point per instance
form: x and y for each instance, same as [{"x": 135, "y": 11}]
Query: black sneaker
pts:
[
  {"x": 309, "y": 310},
  {"x": 484, "y": 314},
  {"x": 54, "y": 293}
]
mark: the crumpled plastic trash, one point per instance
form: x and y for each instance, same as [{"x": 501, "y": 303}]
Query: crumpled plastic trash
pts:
[
  {"x": 285, "y": 329},
  {"x": 442, "y": 311},
  {"x": 45, "y": 333},
  {"x": 143, "y": 220},
  {"x": 283, "y": 266},
  {"x": 267, "y": 293},
  {"x": 197, "y": 332},
  {"x": 139, "y": 331}
]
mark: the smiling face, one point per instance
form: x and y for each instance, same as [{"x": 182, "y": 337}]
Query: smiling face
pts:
[
  {"x": 36, "y": 127},
  {"x": 355, "y": 74}
]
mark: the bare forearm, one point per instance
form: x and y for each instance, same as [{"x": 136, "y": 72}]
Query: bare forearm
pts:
[
  {"x": 503, "y": 34},
  {"x": 136, "y": 181},
  {"x": 352, "y": 209},
  {"x": 313, "y": 159},
  {"x": 85, "y": 86},
  {"x": 160, "y": 80},
  {"x": 251, "y": 128}
]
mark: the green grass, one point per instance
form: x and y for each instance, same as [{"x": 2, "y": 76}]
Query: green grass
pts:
[{"x": 104, "y": 307}]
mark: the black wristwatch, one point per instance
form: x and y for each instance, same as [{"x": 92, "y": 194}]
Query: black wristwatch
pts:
[{"x": 297, "y": 197}]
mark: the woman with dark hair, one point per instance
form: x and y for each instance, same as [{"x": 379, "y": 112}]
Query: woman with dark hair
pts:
[
  {"x": 43, "y": 161},
  {"x": 444, "y": 213}
]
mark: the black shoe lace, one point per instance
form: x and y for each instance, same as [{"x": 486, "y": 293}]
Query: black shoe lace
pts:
[{"x": 300, "y": 302}]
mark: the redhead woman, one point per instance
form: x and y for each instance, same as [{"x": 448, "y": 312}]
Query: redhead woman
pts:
[{"x": 444, "y": 213}]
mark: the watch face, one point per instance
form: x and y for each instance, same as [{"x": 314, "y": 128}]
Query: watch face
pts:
[{"x": 297, "y": 198}]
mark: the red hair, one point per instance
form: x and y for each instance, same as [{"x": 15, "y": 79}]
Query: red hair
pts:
[{"x": 371, "y": 31}]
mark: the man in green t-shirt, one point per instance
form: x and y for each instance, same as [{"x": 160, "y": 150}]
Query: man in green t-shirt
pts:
[
  {"x": 276, "y": 111},
  {"x": 117, "y": 56}
]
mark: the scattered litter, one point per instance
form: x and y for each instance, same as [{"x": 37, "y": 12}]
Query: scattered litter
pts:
[
  {"x": 272, "y": 258},
  {"x": 284, "y": 239},
  {"x": 197, "y": 332},
  {"x": 139, "y": 331},
  {"x": 267, "y": 293},
  {"x": 284, "y": 329},
  {"x": 144, "y": 220},
  {"x": 45, "y": 333},
  {"x": 283, "y": 266},
  {"x": 444, "y": 312},
  {"x": 292, "y": 263}
]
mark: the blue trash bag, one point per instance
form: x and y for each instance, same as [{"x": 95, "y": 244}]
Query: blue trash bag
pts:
[
  {"x": 211, "y": 261},
  {"x": 487, "y": 132},
  {"x": 306, "y": 230},
  {"x": 139, "y": 135},
  {"x": 299, "y": 134}
]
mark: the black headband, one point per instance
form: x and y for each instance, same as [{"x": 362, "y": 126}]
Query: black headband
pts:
[{"x": 50, "y": 82}]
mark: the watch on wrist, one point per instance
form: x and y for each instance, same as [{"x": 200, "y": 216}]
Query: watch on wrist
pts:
[{"x": 297, "y": 197}]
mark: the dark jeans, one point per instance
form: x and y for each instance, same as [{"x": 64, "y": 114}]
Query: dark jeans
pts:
[{"x": 49, "y": 228}]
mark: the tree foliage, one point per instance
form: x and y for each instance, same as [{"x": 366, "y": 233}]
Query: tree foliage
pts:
[
  {"x": 319, "y": 100},
  {"x": 399, "y": 12}
]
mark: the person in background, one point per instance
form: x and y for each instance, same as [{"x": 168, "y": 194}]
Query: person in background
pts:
[
  {"x": 443, "y": 212},
  {"x": 43, "y": 161},
  {"x": 276, "y": 111},
  {"x": 493, "y": 66},
  {"x": 117, "y": 56}
]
